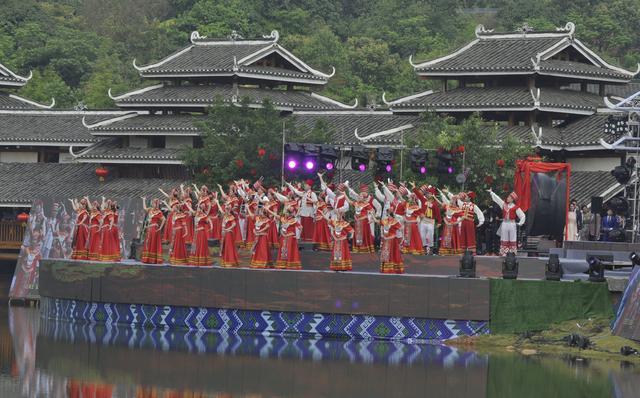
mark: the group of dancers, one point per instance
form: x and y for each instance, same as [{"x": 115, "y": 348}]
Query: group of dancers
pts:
[{"x": 250, "y": 216}]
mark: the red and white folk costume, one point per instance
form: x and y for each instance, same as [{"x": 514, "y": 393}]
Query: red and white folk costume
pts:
[
  {"x": 321, "y": 233},
  {"x": 340, "y": 254},
  {"x": 364, "y": 212},
  {"x": 468, "y": 227},
  {"x": 200, "y": 249},
  {"x": 308, "y": 199},
  {"x": 390, "y": 254},
  {"x": 431, "y": 217},
  {"x": 508, "y": 230},
  {"x": 450, "y": 239},
  {"x": 261, "y": 256},
  {"x": 178, "y": 254},
  {"x": 110, "y": 246},
  {"x": 94, "y": 241},
  {"x": 288, "y": 254},
  {"x": 412, "y": 239}
]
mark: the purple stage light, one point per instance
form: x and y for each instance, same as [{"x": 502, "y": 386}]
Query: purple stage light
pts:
[
  {"x": 388, "y": 168},
  {"x": 309, "y": 165},
  {"x": 329, "y": 166},
  {"x": 450, "y": 170},
  {"x": 292, "y": 164},
  {"x": 423, "y": 170},
  {"x": 362, "y": 167}
]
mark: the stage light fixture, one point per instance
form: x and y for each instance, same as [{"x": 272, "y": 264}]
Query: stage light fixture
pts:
[
  {"x": 596, "y": 270},
  {"x": 328, "y": 157},
  {"x": 623, "y": 173},
  {"x": 388, "y": 168},
  {"x": 445, "y": 162},
  {"x": 292, "y": 164},
  {"x": 329, "y": 166},
  {"x": 510, "y": 266},
  {"x": 467, "y": 265},
  {"x": 384, "y": 160},
  {"x": 309, "y": 165},
  {"x": 635, "y": 258},
  {"x": 619, "y": 205},
  {"x": 553, "y": 271},
  {"x": 359, "y": 158},
  {"x": 418, "y": 159}
]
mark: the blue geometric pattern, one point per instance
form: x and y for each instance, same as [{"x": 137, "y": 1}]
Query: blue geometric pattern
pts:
[
  {"x": 267, "y": 323},
  {"x": 354, "y": 351}
]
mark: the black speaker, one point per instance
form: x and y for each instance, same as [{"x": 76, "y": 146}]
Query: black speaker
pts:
[{"x": 596, "y": 205}]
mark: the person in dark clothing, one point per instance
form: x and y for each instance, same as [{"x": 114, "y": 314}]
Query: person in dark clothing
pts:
[{"x": 492, "y": 216}]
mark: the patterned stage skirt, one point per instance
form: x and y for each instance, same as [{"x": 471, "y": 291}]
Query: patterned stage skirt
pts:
[
  {"x": 272, "y": 234},
  {"x": 261, "y": 257},
  {"x": 110, "y": 249},
  {"x": 468, "y": 235},
  {"x": 341, "y": 256},
  {"x": 228, "y": 251},
  {"x": 307, "y": 229},
  {"x": 363, "y": 241},
  {"x": 216, "y": 232},
  {"x": 412, "y": 239},
  {"x": 321, "y": 235},
  {"x": 200, "y": 252},
  {"x": 390, "y": 257},
  {"x": 95, "y": 242},
  {"x": 168, "y": 228},
  {"x": 178, "y": 254},
  {"x": 449, "y": 243}
]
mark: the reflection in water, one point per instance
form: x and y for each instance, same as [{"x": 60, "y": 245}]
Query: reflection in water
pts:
[{"x": 60, "y": 359}]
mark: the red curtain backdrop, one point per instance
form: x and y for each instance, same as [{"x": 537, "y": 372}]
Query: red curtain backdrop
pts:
[{"x": 522, "y": 180}]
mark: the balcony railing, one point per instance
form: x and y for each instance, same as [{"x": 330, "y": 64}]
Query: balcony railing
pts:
[{"x": 11, "y": 234}]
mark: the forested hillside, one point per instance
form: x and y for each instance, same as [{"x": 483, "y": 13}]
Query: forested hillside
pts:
[{"x": 77, "y": 49}]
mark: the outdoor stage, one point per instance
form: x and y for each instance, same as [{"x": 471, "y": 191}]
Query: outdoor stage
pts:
[{"x": 428, "y": 303}]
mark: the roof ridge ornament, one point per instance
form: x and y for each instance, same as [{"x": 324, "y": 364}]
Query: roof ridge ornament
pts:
[
  {"x": 234, "y": 35},
  {"x": 480, "y": 30},
  {"x": 526, "y": 28},
  {"x": 569, "y": 28},
  {"x": 536, "y": 97},
  {"x": 275, "y": 35},
  {"x": 195, "y": 36},
  {"x": 235, "y": 64}
]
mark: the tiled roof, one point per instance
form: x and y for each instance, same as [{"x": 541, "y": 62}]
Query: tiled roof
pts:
[
  {"x": 233, "y": 58},
  {"x": 152, "y": 125},
  {"x": 23, "y": 182},
  {"x": 583, "y": 131},
  {"x": 11, "y": 102},
  {"x": 10, "y": 79},
  {"x": 45, "y": 127},
  {"x": 585, "y": 184},
  {"x": 611, "y": 90},
  {"x": 525, "y": 52},
  {"x": 480, "y": 98},
  {"x": 206, "y": 95},
  {"x": 579, "y": 68},
  {"x": 113, "y": 150},
  {"x": 523, "y": 133},
  {"x": 344, "y": 123}
]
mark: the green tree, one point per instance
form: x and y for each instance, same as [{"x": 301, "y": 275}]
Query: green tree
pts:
[
  {"x": 46, "y": 85},
  {"x": 489, "y": 157}
]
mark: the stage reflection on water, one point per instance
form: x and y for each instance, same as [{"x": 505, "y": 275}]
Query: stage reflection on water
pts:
[{"x": 61, "y": 359}]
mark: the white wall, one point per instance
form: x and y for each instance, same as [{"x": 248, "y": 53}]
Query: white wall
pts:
[
  {"x": 65, "y": 157},
  {"x": 593, "y": 164},
  {"x": 176, "y": 142},
  {"x": 18, "y": 157}
]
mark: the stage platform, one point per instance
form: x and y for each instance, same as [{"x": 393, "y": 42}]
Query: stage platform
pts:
[{"x": 428, "y": 303}]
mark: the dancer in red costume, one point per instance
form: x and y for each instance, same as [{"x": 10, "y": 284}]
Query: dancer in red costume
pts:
[
  {"x": 200, "y": 249},
  {"x": 261, "y": 256},
  {"x": 321, "y": 233},
  {"x": 468, "y": 226},
  {"x": 110, "y": 246},
  {"x": 450, "y": 240},
  {"x": 178, "y": 253},
  {"x": 431, "y": 220},
  {"x": 272, "y": 206},
  {"x": 152, "y": 249},
  {"x": 390, "y": 255},
  {"x": 251, "y": 208},
  {"x": 81, "y": 233},
  {"x": 363, "y": 214},
  {"x": 412, "y": 238},
  {"x": 216, "y": 220},
  {"x": 95, "y": 232},
  {"x": 187, "y": 205},
  {"x": 171, "y": 202},
  {"x": 228, "y": 250},
  {"x": 340, "y": 253},
  {"x": 288, "y": 254}
]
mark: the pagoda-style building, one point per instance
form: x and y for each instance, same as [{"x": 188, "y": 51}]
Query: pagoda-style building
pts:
[
  {"x": 546, "y": 88},
  {"x": 164, "y": 116}
]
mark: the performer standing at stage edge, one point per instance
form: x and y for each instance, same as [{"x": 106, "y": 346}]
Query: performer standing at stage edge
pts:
[
  {"x": 308, "y": 200},
  {"x": 468, "y": 226},
  {"x": 152, "y": 248},
  {"x": 431, "y": 218},
  {"x": 508, "y": 229}
]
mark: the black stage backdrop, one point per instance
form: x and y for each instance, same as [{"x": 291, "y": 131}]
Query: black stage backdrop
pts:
[
  {"x": 548, "y": 203},
  {"x": 49, "y": 234}
]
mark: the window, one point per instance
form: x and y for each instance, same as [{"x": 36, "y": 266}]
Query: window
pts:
[{"x": 157, "y": 141}]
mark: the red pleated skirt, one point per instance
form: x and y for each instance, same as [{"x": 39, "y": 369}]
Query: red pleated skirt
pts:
[
  {"x": 251, "y": 232},
  {"x": 95, "y": 243},
  {"x": 390, "y": 257},
  {"x": 110, "y": 248},
  {"x": 412, "y": 239},
  {"x": 178, "y": 254},
  {"x": 152, "y": 249},
  {"x": 216, "y": 231},
  {"x": 200, "y": 252},
  {"x": 321, "y": 235},
  {"x": 229, "y": 252},
  {"x": 168, "y": 228},
  {"x": 272, "y": 234},
  {"x": 288, "y": 254},
  {"x": 341, "y": 256},
  {"x": 80, "y": 251},
  {"x": 307, "y": 229},
  {"x": 362, "y": 240},
  {"x": 261, "y": 257}
]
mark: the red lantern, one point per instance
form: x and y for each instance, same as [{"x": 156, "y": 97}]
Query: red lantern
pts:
[
  {"x": 488, "y": 180},
  {"x": 461, "y": 148},
  {"x": 23, "y": 218},
  {"x": 101, "y": 172},
  {"x": 500, "y": 162},
  {"x": 261, "y": 152}
]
